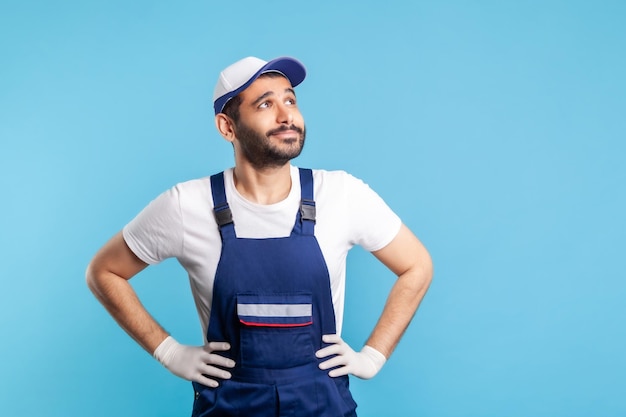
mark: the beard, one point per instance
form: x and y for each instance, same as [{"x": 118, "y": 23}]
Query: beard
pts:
[{"x": 259, "y": 150}]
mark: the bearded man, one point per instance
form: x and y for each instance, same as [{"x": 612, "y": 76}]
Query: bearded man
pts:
[{"x": 265, "y": 244}]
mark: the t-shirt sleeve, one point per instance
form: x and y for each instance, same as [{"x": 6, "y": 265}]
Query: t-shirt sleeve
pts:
[
  {"x": 373, "y": 225},
  {"x": 156, "y": 233}
]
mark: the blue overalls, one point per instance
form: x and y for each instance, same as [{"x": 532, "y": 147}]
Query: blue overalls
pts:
[{"x": 272, "y": 302}]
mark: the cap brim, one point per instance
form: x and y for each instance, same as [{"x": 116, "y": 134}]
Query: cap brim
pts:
[{"x": 289, "y": 67}]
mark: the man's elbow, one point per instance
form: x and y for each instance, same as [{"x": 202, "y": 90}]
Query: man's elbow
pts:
[
  {"x": 98, "y": 278},
  {"x": 422, "y": 276},
  {"x": 91, "y": 277},
  {"x": 428, "y": 271}
]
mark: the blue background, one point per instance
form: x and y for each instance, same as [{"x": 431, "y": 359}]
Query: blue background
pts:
[{"x": 495, "y": 129}]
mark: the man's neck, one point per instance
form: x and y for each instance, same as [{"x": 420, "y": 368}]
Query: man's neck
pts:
[{"x": 264, "y": 186}]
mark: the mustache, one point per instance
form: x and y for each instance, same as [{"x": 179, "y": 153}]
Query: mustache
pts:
[{"x": 285, "y": 128}]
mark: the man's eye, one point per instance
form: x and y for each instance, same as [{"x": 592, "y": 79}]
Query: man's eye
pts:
[
  {"x": 264, "y": 105},
  {"x": 290, "y": 101}
]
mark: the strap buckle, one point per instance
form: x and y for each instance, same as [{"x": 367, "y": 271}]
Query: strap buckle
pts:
[
  {"x": 223, "y": 215},
  {"x": 307, "y": 210}
]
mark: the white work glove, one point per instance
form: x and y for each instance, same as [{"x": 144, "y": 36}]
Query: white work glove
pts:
[
  {"x": 364, "y": 364},
  {"x": 194, "y": 363}
]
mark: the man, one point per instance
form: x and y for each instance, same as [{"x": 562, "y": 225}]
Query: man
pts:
[{"x": 265, "y": 245}]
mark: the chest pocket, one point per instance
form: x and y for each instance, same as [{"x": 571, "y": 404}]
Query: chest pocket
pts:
[{"x": 275, "y": 330}]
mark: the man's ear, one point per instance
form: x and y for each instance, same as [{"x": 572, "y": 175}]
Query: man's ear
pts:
[{"x": 225, "y": 126}]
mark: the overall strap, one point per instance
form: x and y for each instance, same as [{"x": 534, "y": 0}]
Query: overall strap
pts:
[
  {"x": 223, "y": 215},
  {"x": 307, "y": 203}
]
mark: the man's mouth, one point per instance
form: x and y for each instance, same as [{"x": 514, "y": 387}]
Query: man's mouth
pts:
[{"x": 285, "y": 131}]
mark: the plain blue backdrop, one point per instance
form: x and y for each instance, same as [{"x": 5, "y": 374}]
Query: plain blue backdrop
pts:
[{"x": 495, "y": 129}]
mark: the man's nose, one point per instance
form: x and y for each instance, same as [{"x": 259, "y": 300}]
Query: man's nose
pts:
[{"x": 285, "y": 114}]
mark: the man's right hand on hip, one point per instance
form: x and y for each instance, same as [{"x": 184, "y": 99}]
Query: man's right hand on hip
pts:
[{"x": 195, "y": 363}]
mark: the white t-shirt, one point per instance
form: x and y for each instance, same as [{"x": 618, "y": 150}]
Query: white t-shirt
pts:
[{"x": 179, "y": 223}]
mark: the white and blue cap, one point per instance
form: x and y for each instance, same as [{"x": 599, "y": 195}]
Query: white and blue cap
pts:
[{"x": 238, "y": 76}]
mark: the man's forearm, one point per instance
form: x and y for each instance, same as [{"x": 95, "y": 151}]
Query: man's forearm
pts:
[
  {"x": 403, "y": 300},
  {"x": 119, "y": 298},
  {"x": 402, "y": 303},
  {"x": 107, "y": 277},
  {"x": 409, "y": 260}
]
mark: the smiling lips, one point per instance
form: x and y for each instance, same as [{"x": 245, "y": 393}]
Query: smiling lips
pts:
[
  {"x": 285, "y": 132},
  {"x": 288, "y": 130}
]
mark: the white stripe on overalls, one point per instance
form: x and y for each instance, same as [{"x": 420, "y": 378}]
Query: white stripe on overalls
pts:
[{"x": 274, "y": 310}]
